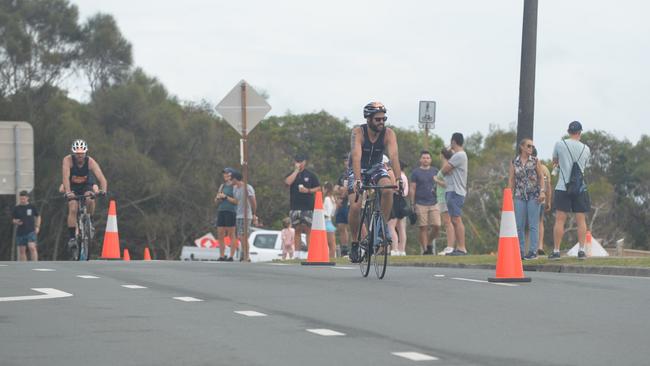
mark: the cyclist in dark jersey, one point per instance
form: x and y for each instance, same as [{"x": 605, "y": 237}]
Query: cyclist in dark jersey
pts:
[
  {"x": 77, "y": 180},
  {"x": 369, "y": 143}
]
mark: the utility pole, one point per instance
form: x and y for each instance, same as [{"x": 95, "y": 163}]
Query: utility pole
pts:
[{"x": 527, "y": 72}]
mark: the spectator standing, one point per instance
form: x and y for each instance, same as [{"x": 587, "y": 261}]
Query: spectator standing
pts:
[
  {"x": 442, "y": 182},
  {"x": 250, "y": 206},
  {"x": 422, "y": 195},
  {"x": 226, "y": 215},
  {"x": 302, "y": 185},
  {"x": 397, "y": 223},
  {"x": 28, "y": 222},
  {"x": 527, "y": 182},
  {"x": 329, "y": 209},
  {"x": 546, "y": 205},
  {"x": 565, "y": 154},
  {"x": 287, "y": 234},
  {"x": 456, "y": 168}
]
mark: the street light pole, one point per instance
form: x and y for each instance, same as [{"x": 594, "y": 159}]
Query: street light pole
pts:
[{"x": 527, "y": 72}]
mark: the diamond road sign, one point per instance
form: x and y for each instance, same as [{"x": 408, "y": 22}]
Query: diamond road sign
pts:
[{"x": 231, "y": 107}]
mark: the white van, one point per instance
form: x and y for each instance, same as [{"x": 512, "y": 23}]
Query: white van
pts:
[{"x": 265, "y": 246}]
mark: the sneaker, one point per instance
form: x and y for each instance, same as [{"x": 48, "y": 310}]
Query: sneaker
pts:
[
  {"x": 429, "y": 250},
  {"x": 394, "y": 253},
  {"x": 457, "y": 252},
  {"x": 581, "y": 254},
  {"x": 228, "y": 259},
  {"x": 354, "y": 253},
  {"x": 554, "y": 255},
  {"x": 446, "y": 251},
  {"x": 222, "y": 259},
  {"x": 541, "y": 252},
  {"x": 402, "y": 254},
  {"x": 344, "y": 250},
  {"x": 72, "y": 244},
  {"x": 530, "y": 256}
]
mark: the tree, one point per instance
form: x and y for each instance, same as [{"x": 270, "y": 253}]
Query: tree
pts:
[
  {"x": 105, "y": 55},
  {"x": 39, "y": 42}
]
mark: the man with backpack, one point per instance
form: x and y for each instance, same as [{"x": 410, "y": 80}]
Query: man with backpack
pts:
[{"x": 570, "y": 158}]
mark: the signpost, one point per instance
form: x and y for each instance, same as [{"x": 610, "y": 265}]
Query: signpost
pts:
[
  {"x": 427, "y": 118},
  {"x": 243, "y": 108},
  {"x": 16, "y": 161}
]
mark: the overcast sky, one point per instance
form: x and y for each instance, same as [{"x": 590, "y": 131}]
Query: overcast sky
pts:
[{"x": 593, "y": 58}]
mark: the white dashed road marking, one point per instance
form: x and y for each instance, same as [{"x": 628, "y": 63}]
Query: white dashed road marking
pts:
[
  {"x": 415, "y": 356},
  {"x": 133, "y": 286},
  {"x": 187, "y": 299},
  {"x": 481, "y": 281},
  {"x": 325, "y": 332},
  {"x": 249, "y": 313},
  {"x": 439, "y": 276},
  {"x": 44, "y": 269},
  {"x": 50, "y": 293},
  {"x": 3, "y": 265},
  {"x": 87, "y": 276},
  {"x": 343, "y": 267},
  {"x": 279, "y": 264}
]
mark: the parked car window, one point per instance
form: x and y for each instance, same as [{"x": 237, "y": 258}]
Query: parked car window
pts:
[{"x": 265, "y": 241}]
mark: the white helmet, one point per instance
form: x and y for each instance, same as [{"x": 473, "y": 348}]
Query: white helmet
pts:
[{"x": 79, "y": 146}]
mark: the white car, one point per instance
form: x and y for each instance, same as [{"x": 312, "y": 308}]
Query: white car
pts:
[{"x": 264, "y": 246}]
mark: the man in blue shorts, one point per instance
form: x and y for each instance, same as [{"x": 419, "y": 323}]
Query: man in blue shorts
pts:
[{"x": 28, "y": 222}]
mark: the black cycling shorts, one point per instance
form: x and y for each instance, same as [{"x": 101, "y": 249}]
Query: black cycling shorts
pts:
[{"x": 562, "y": 201}]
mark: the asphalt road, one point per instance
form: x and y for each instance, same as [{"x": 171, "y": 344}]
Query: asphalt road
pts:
[{"x": 442, "y": 315}]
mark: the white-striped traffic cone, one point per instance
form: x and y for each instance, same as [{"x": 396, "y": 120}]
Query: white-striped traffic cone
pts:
[{"x": 111, "y": 246}]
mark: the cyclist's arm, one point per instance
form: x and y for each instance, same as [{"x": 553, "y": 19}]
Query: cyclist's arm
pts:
[
  {"x": 65, "y": 174},
  {"x": 390, "y": 140},
  {"x": 94, "y": 167},
  {"x": 355, "y": 148}
]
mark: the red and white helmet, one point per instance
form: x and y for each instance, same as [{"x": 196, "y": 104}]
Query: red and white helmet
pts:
[{"x": 79, "y": 146}]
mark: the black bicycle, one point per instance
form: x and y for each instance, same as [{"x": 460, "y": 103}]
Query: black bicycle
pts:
[
  {"x": 375, "y": 246},
  {"x": 85, "y": 230}
]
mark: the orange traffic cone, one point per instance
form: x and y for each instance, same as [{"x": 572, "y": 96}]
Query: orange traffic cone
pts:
[
  {"x": 509, "y": 267},
  {"x": 318, "y": 251},
  {"x": 111, "y": 246},
  {"x": 147, "y": 256},
  {"x": 127, "y": 257}
]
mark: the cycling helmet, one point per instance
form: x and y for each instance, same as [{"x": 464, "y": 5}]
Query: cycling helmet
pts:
[
  {"x": 79, "y": 146},
  {"x": 372, "y": 108}
]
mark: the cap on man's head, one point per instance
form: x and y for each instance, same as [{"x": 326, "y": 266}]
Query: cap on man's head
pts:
[
  {"x": 228, "y": 170},
  {"x": 300, "y": 157},
  {"x": 237, "y": 175},
  {"x": 24, "y": 193},
  {"x": 574, "y": 127}
]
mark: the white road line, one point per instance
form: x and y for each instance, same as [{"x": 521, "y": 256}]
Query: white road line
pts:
[
  {"x": 249, "y": 313},
  {"x": 87, "y": 276},
  {"x": 44, "y": 269},
  {"x": 3, "y": 265},
  {"x": 343, "y": 267},
  {"x": 439, "y": 275},
  {"x": 481, "y": 281},
  {"x": 187, "y": 299},
  {"x": 279, "y": 264},
  {"x": 50, "y": 293},
  {"x": 133, "y": 286},
  {"x": 325, "y": 332},
  {"x": 415, "y": 356}
]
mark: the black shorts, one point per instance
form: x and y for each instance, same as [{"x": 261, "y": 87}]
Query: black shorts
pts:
[
  {"x": 80, "y": 189},
  {"x": 225, "y": 219},
  {"x": 562, "y": 201}
]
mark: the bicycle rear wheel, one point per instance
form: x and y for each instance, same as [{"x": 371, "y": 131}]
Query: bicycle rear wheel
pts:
[{"x": 381, "y": 247}]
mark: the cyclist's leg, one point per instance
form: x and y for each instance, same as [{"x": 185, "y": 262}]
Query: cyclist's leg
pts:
[
  {"x": 354, "y": 217},
  {"x": 72, "y": 218},
  {"x": 89, "y": 190},
  {"x": 386, "y": 197}
]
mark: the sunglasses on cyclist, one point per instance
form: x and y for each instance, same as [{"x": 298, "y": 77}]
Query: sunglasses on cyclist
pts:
[{"x": 380, "y": 119}]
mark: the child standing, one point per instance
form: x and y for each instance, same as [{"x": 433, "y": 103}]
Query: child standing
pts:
[{"x": 287, "y": 234}]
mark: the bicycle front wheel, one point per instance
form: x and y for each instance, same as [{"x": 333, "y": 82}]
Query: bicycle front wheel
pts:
[
  {"x": 381, "y": 247},
  {"x": 84, "y": 248},
  {"x": 364, "y": 264}
]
